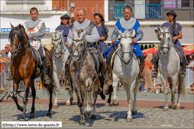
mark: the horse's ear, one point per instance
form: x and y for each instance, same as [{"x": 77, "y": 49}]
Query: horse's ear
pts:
[
  {"x": 11, "y": 26},
  {"x": 61, "y": 32},
  {"x": 157, "y": 31},
  {"x": 132, "y": 33}
]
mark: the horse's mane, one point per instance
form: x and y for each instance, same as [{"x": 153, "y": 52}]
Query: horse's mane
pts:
[{"x": 17, "y": 30}]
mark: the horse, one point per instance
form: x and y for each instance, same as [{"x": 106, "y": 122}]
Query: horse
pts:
[
  {"x": 126, "y": 70},
  {"x": 169, "y": 66},
  {"x": 23, "y": 67},
  {"x": 84, "y": 76},
  {"x": 60, "y": 56}
]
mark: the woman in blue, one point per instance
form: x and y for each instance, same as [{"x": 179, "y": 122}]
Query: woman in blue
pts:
[
  {"x": 102, "y": 30},
  {"x": 176, "y": 34},
  {"x": 64, "y": 26}
]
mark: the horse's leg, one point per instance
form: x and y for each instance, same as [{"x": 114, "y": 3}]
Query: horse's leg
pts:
[
  {"x": 50, "y": 88},
  {"x": 95, "y": 93},
  {"x": 173, "y": 86},
  {"x": 179, "y": 91},
  {"x": 163, "y": 79},
  {"x": 15, "y": 92},
  {"x": 80, "y": 105},
  {"x": 25, "y": 101},
  {"x": 110, "y": 94},
  {"x": 33, "y": 101},
  {"x": 89, "y": 90},
  {"x": 129, "y": 98},
  {"x": 56, "y": 78},
  {"x": 68, "y": 103},
  {"x": 115, "y": 84},
  {"x": 134, "y": 110}
]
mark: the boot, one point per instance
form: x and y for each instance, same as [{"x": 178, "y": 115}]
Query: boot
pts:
[
  {"x": 46, "y": 78},
  {"x": 108, "y": 80},
  {"x": 155, "y": 70},
  {"x": 183, "y": 67},
  {"x": 9, "y": 77},
  {"x": 67, "y": 77},
  {"x": 141, "y": 68},
  {"x": 109, "y": 70}
]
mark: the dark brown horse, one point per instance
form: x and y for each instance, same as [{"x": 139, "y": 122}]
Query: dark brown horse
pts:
[{"x": 23, "y": 68}]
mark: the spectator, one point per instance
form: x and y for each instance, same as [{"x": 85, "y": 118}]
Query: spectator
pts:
[
  {"x": 38, "y": 86},
  {"x": 190, "y": 74},
  {"x": 147, "y": 71},
  {"x": 6, "y": 59},
  {"x": 1, "y": 70}
]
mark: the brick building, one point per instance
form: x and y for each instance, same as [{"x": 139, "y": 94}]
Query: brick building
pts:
[{"x": 90, "y": 6}]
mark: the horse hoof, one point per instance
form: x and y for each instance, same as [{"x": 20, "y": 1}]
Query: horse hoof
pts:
[
  {"x": 129, "y": 120},
  {"x": 173, "y": 107},
  {"x": 134, "y": 112},
  {"x": 165, "y": 109},
  {"x": 22, "y": 119},
  {"x": 49, "y": 113},
  {"x": 82, "y": 122},
  {"x": 115, "y": 102},
  {"x": 68, "y": 105},
  {"x": 93, "y": 117},
  {"x": 178, "y": 107},
  {"x": 55, "y": 106},
  {"x": 32, "y": 116},
  {"x": 107, "y": 104}
]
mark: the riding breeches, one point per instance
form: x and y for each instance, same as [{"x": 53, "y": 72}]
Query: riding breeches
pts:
[{"x": 42, "y": 53}]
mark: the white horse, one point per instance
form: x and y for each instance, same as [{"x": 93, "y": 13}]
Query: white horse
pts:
[
  {"x": 169, "y": 66},
  {"x": 60, "y": 56},
  {"x": 126, "y": 70}
]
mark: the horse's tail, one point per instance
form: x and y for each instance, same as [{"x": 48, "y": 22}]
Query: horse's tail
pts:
[{"x": 183, "y": 88}]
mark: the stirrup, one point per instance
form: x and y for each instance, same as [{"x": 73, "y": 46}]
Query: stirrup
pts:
[
  {"x": 46, "y": 80},
  {"x": 154, "y": 74}
]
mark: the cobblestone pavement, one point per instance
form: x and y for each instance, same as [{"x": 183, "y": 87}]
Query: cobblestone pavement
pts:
[{"x": 106, "y": 117}]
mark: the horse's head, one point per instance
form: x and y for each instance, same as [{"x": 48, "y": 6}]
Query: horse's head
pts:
[
  {"x": 79, "y": 44},
  {"x": 163, "y": 35},
  {"x": 18, "y": 39},
  {"x": 126, "y": 45},
  {"x": 58, "y": 42}
]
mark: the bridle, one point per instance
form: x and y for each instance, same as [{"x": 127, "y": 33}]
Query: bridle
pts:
[
  {"x": 76, "y": 49},
  {"x": 56, "y": 46},
  {"x": 19, "y": 47},
  {"x": 162, "y": 41},
  {"x": 121, "y": 54}
]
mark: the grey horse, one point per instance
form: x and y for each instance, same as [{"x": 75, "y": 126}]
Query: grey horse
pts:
[
  {"x": 169, "y": 66},
  {"x": 84, "y": 76},
  {"x": 60, "y": 55},
  {"x": 126, "y": 70}
]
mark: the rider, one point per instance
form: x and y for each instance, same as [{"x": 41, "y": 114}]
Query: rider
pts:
[
  {"x": 35, "y": 29},
  {"x": 176, "y": 34},
  {"x": 102, "y": 30},
  {"x": 127, "y": 23},
  {"x": 64, "y": 26},
  {"x": 83, "y": 23}
]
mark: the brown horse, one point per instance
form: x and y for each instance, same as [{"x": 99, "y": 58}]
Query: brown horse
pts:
[{"x": 23, "y": 68}]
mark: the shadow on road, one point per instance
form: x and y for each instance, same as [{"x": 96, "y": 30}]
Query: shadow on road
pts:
[
  {"x": 38, "y": 114},
  {"x": 161, "y": 107}
]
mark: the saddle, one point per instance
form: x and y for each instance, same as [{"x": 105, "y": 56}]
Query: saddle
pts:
[
  {"x": 114, "y": 54},
  {"x": 179, "y": 52},
  {"x": 95, "y": 59},
  {"x": 38, "y": 61}
]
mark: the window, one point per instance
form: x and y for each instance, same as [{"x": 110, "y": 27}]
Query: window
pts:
[{"x": 183, "y": 3}]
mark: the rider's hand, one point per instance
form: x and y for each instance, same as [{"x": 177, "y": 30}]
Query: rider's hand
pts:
[
  {"x": 134, "y": 40},
  {"x": 70, "y": 45},
  {"x": 113, "y": 42},
  {"x": 28, "y": 36},
  {"x": 175, "y": 38},
  {"x": 66, "y": 44}
]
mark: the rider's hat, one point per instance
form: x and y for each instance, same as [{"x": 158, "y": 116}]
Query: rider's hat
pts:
[
  {"x": 65, "y": 17},
  {"x": 171, "y": 12}
]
